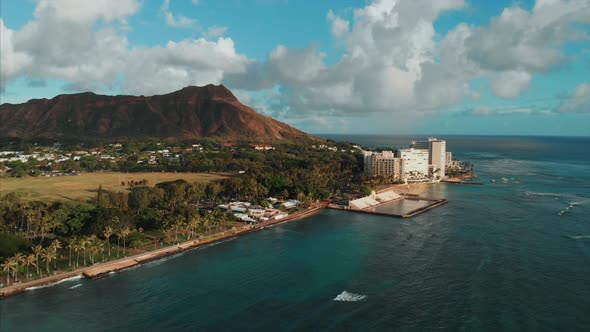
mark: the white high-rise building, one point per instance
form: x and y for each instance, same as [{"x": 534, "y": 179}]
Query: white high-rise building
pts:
[
  {"x": 437, "y": 156},
  {"x": 414, "y": 163}
]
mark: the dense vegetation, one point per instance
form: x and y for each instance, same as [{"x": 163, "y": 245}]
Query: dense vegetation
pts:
[{"x": 71, "y": 233}]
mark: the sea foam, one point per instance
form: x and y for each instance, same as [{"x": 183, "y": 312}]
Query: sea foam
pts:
[
  {"x": 55, "y": 283},
  {"x": 579, "y": 237},
  {"x": 349, "y": 297}
]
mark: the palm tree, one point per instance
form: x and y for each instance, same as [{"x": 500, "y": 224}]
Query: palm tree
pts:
[
  {"x": 107, "y": 234},
  {"x": 48, "y": 255},
  {"x": 177, "y": 223},
  {"x": 100, "y": 249},
  {"x": 55, "y": 244},
  {"x": 118, "y": 234},
  {"x": 92, "y": 250},
  {"x": 124, "y": 233},
  {"x": 192, "y": 226},
  {"x": 88, "y": 244},
  {"x": 37, "y": 250},
  {"x": 84, "y": 245},
  {"x": 7, "y": 266},
  {"x": 30, "y": 260},
  {"x": 18, "y": 259},
  {"x": 77, "y": 246},
  {"x": 71, "y": 245}
]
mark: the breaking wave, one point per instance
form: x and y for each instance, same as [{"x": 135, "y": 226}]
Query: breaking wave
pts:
[
  {"x": 55, "y": 283},
  {"x": 349, "y": 297},
  {"x": 579, "y": 237}
]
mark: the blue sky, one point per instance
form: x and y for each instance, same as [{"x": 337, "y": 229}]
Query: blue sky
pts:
[{"x": 334, "y": 66}]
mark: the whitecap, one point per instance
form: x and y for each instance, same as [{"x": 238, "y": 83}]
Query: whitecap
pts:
[
  {"x": 75, "y": 286},
  {"x": 55, "y": 283},
  {"x": 579, "y": 237},
  {"x": 349, "y": 297}
]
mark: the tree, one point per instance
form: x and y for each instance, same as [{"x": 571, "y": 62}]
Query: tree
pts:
[
  {"x": 48, "y": 255},
  {"x": 30, "y": 260},
  {"x": 193, "y": 225},
  {"x": 91, "y": 247},
  {"x": 7, "y": 267},
  {"x": 71, "y": 245},
  {"x": 92, "y": 251},
  {"x": 18, "y": 259},
  {"x": 118, "y": 234},
  {"x": 78, "y": 245},
  {"x": 123, "y": 233},
  {"x": 37, "y": 251},
  {"x": 107, "y": 234},
  {"x": 55, "y": 244},
  {"x": 84, "y": 243}
]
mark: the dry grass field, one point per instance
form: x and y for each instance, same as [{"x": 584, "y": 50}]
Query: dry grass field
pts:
[{"x": 81, "y": 187}]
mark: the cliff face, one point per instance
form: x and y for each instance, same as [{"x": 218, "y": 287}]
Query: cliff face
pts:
[{"x": 190, "y": 113}]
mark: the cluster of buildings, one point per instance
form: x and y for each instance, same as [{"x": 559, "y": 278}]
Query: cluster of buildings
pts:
[
  {"x": 422, "y": 161},
  {"x": 247, "y": 212}
]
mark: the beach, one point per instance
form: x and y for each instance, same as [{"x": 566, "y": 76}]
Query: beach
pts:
[{"x": 414, "y": 189}]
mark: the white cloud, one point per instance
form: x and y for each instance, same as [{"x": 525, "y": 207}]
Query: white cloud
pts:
[
  {"x": 510, "y": 84},
  {"x": 579, "y": 101},
  {"x": 339, "y": 26},
  {"x": 503, "y": 110},
  {"x": 215, "y": 31},
  {"x": 387, "y": 46},
  {"x": 12, "y": 61},
  {"x": 175, "y": 21},
  {"x": 394, "y": 60},
  {"x": 178, "y": 64},
  {"x": 519, "y": 44},
  {"x": 60, "y": 44},
  {"x": 85, "y": 11}
]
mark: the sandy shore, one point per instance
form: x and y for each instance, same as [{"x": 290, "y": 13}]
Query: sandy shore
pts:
[
  {"x": 406, "y": 189},
  {"x": 102, "y": 269}
]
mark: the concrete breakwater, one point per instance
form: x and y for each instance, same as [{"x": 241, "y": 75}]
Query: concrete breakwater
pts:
[
  {"x": 370, "y": 204},
  {"x": 434, "y": 202}
]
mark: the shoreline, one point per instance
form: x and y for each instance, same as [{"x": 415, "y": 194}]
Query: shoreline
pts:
[{"x": 102, "y": 269}]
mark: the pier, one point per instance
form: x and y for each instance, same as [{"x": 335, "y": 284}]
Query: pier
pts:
[{"x": 434, "y": 203}]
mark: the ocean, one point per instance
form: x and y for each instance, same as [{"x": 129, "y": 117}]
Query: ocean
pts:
[{"x": 509, "y": 255}]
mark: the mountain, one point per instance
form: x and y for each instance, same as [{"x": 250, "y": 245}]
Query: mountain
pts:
[{"x": 210, "y": 111}]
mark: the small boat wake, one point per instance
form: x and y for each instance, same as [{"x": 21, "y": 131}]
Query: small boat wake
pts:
[{"x": 349, "y": 297}]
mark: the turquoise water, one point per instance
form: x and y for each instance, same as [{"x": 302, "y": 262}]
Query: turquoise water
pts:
[{"x": 509, "y": 256}]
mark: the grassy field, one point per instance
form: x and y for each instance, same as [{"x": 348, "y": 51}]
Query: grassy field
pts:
[{"x": 81, "y": 187}]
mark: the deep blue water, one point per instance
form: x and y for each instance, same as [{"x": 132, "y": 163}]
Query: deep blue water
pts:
[{"x": 499, "y": 257}]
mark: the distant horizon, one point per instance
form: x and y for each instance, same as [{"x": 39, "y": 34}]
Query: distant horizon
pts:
[{"x": 442, "y": 135}]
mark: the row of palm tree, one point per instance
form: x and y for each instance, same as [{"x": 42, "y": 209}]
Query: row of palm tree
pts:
[
  {"x": 19, "y": 262},
  {"x": 90, "y": 247},
  {"x": 193, "y": 224}
]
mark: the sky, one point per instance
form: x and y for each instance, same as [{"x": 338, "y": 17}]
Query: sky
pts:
[{"x": 331, "y": 66}]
